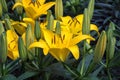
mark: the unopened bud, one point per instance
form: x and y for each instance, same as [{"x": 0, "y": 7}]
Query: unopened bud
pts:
[
  {"x": 86, "y": 22},
  {"x": 50, "y": 20},
  {"x": 91, "y": 8},
  {"x": 29, "y": 39},
  {"x": 4, "y": 6},
  {"x": 58, "y": 28},
  {"x": 1, "y": 28},
  {"x": 58, "y": 9},
  {"x": 37, "y": 31},
  {"x": 22, "y": 50},
  {"x": 1, "y": 10},
  {"x": 8, "y": 24},
  {"x": 3, "y": 48},
  {"x": 100, "y": 47}
]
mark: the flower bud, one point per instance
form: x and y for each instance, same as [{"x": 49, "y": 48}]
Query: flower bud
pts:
[
  {"x": 21, "y": 49},
  {"x": 111, "y": 41},
  {"x": 58, "y": 28},
  {"x": 3, "y": 48},
  {"x": 4, "y": 6},
  {"x": 112, "y": 48},
  {"x": 29, "y": 39},
  {"x": 1, "y": 10},
  {"x": 58, "y": 9},
  {"x": 1, "y": 28},
  {"x": 8, "y": 24},
  {"x": 100, "y": 48},
  {"x": 50, "y": 20},
  {"x": 91, "y": 8},
  {"x": 37, "y": 31},
  {"x": 86, "y": 22}
]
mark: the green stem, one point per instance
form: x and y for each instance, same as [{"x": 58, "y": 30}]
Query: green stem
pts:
[
  {"x": 70, "y": 70},
  {"x": 83, "y": 60},
  {"x": 82, "y": 67},
  {"x": 109, "y": 75},
  {"x": 90, "y": 68},
  {"x": 3, "y": 69}
]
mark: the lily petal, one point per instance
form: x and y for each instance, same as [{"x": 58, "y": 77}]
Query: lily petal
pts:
[
  {"x": 75, "y": 51},
  {"x": 48, "y": 35},
  {"x": 16, "y": 5},
  {"x": 94, "y": 27},
  {"x": 80, "y": 38},
  {"x": 40, "y": 44},
  {"x": 59, "y": 54},
  {"x": 13, "y": 55}
]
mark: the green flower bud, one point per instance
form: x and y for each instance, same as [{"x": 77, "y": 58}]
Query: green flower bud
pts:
[
  {"x": 37, "y": 31},
  {"x": 3, "y": 48},
  {"x": 8, "y": 24},
  {"x": 22, "y": 50},
  {"x": 111, "y": 41},
  {"x": 58, "y": 9},
  {"x": 4, "y": 6},
  {"x": 50, "y": 20},
  {"x": 86, "y": 22},
  {"x": 91, "y": 8},
  {"x": 29, "y": 39},
  {"x": 1, "y": 10},
  {"x": 112, "y": 48},
  {"x": 58, "y": 28},
  {"x": 1, "y": 28},
  {"x": 100, "y": 48}
]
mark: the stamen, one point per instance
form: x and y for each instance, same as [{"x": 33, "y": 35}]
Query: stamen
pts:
[
  {"x": 54, "y": 39},
  {"x": 63, "y": 36},
  {"x": 35, "y": 2}
]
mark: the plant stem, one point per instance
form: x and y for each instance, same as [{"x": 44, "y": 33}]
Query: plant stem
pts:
[
  {"x": 109, "y": 75},
  {"x": 67, "y": 67},
  {"x": 83, "y": 60},
  {"x": 3, "y": 69},
  {"x": 82, "y": 67}
]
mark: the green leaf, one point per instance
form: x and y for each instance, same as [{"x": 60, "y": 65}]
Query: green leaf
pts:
[
  {"x": 8, "y": 77},
  {"x": 12, "y": 65},
  {"x": 91, "y": 78},
  {"x": 27, "y": 74}
]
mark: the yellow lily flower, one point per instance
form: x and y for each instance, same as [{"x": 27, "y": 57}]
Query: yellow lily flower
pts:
[
  {"x": 20, "y": 27},
  {"x": 12, "y": 40},
  {"x": 35, "y": 8},
  {"x": 75, "y": 24},
  {"x": 60, "y": 46}
]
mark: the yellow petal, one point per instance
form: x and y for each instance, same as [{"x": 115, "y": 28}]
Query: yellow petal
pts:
[
  {"x": 80, "y": 38},
  {"x": 29, "y": 20},
  {"x": 66, "y": 37},
  {"x": 48, "y": 36},
  {"x": 19, "y": 27},
  {"x": 40, "y": 44},
  {"x": 66, "y": 20},
  {"x": 59, "y": 54},
  {"x": 75, "y": 51},
  {"x": 80, "y": 18},
  {"x": 94, "y": 27},
  {"x": 13, "y": 54},
  {"x": 42, "y": 2},
  {"x": 11, "y": 36},
  {"x": 42, "y": 9},
  {"x": 23, "y": 37},
  {"x": 16, "y": 5}
]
